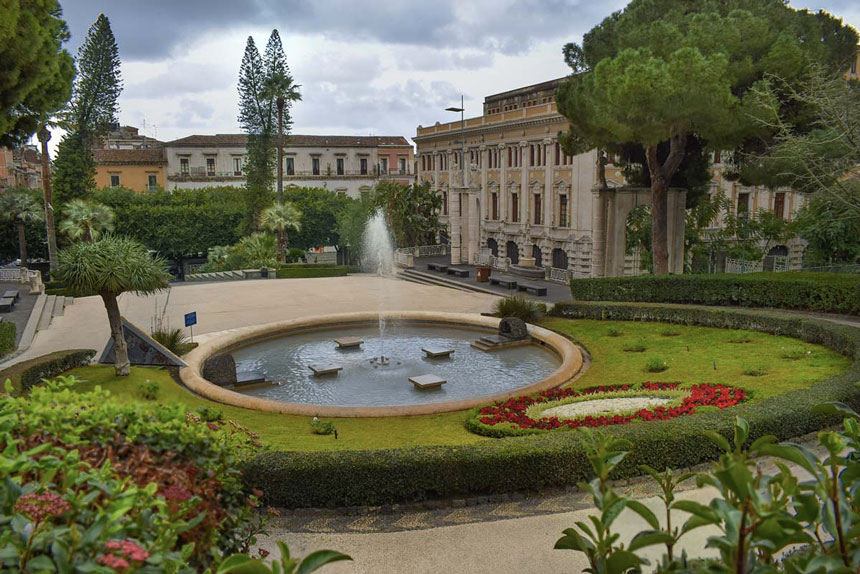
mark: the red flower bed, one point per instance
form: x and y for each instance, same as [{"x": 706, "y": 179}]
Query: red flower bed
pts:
[{"x": 513, "y": 411}]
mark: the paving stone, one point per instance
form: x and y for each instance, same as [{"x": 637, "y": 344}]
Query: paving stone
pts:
[
  {"x": 461, "y": 516},
  {"x": 364, "y": 524},
  {"x": 320, "y": 525},
  {"x": 414, "y": 521},
  {"x": 510, "y": 509}
]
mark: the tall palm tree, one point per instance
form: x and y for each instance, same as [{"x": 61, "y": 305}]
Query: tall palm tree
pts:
[
  {"x": 109, "y": 267},
  {"x": 19, "y": 206},
  {"x": 44, "y": 135},
  {"x": 86, "y": 220},
  {"x": 282, "y": 88},
  {"x": 280, "y": 217}
]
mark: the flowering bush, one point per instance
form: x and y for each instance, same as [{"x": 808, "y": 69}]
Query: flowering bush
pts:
[
  {"x": 512, "y": 416},
  {"x": 88, "y": 484}
]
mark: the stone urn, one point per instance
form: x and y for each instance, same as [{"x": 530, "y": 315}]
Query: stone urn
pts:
[{"x": 527, "y": 262}]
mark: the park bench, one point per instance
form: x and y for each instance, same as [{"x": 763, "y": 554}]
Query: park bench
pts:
[
  {"x": 441, "y": 267},
  {"x": 13, "y": 294},
  {"x": 458, "y": 271},
  {"x": 6, "y": 304},
  {"x": 506, "y": 283},
  {"x": 536, "y": 289}
]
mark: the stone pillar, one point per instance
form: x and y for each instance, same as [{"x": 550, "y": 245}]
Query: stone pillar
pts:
[
  {"x": 503, "y": 187},
  {"x": 598, "y": 232},
  {"x": 454, "y": 223}
]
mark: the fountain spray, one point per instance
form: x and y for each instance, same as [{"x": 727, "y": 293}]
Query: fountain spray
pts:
[{"x": 379, "y": 255}]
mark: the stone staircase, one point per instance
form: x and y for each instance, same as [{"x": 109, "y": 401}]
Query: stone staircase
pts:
[
  {"x": 423, "y": 278},
  {"x": 489, "y": 343},
  {"x": 46, "y": 308},
  {"x": 216, "y": 276}
]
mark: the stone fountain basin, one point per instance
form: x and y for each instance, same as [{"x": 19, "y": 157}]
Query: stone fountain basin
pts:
[{"x": 569, "y": 355}]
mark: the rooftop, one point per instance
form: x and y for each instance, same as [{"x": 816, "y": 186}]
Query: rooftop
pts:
[
  {"x": 145, "y": 156},
  {"x": 293, "y": 140}
]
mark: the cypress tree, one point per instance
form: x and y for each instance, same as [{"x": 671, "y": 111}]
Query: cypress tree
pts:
[{"x": 92, "y": 110}]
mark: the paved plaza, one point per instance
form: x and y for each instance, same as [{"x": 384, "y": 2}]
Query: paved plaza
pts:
[{"x": 229, "y": 304}]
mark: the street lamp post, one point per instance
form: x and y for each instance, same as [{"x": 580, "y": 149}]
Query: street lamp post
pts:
[
  {"x": 462, "y": 111},
  {"x": 455, "y": 221}
]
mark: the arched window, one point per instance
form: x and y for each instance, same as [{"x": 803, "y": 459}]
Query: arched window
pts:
[
  {"x": 538, "y": 255},
  {"x": 493, "y": 246}
]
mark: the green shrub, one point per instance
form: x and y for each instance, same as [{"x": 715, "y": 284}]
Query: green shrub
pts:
[
  {"x": 175, "y": 340},
  {"x": 824, "y": 292},
  {"x": 7, "y": 338},
  {"x": 740, "y": 339},
  {"x": 635, "y": 348},
  {"x": 520, "y": 307},
  {"x": 656, "y": 365},
  {"x": 25, "y": 374},
  {"x": 305, "y": 271},
  {"x": 794, "y": 353},
  {"x": 614, "y": 332},
  {"x": 295, "y": 254},
  {"x": 84, "y": 463},
  {"x": 209, "y": 414},
  {"x": 148, "y": 390},
  {"x": 343, "y": 478},
  {"x": 754, "y": 371},
  {"x": 322, "y": 427}
]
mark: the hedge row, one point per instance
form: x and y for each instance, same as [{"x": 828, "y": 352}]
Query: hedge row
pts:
[
  {"x": 25, "y": 374},
  {"x": 312, "y": 271},
  {"x": 828, "y": 293},
  {"x": 319, "y": 479},
  {"x": 7, "y": 337}
]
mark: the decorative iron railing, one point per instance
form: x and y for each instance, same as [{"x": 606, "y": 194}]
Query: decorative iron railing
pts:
[
  {"x": 743, "y": 266},
  {"x": 559, "y": 275}
]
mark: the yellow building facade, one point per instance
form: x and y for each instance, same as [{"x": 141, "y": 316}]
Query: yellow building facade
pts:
[{"x": 135, "y": 169}]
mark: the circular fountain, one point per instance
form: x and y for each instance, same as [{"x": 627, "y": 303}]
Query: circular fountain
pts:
[{"x": 407, "y": 363}]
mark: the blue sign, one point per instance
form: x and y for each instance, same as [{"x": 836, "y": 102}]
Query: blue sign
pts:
[{"x": 191, "y": 318}]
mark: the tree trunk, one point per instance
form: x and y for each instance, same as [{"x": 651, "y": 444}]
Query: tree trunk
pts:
[
  {"x": 282, "y": 246},
  {"x": 120, "y": 349},
  {"x": 88, "y": 234},
  {"x": 280, "y": 150},
  {"x": 661, "y": 176},
  {"x": 22, "y": 241},
  {"x": 50, "y": 230}
]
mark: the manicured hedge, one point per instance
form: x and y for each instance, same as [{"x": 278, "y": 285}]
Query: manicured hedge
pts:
[
  {"x": 824, "y": 292},
  {"x": 289, "y": 272},
  {"x": 7, "y": 337},
  {"x": 28, "y": 373},
  {"x": 296, "y": 479}
]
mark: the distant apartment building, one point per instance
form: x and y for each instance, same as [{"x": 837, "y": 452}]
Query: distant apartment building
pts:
[
  {"x": 522, "y": 197},
  {"x": 128, "y": 137},
  {"x": 20, "y": 167},
  {"x": 345, "y": 164},
  {"x": 136, "y": 169}
]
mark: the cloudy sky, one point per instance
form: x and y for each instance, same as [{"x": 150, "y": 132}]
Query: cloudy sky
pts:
[{"x": 366, "y": 67}]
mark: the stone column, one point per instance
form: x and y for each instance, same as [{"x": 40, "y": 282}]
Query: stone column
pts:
[
  {"x": 549, "y": 202},
  {"x": 503, "y": 187},
  {"x": 598, "y": 232}
]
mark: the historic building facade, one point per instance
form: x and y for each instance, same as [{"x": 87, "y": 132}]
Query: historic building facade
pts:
[
  {"x": 346, "y": 164},
  {"x": 20, "y": 167},
  {"x": 520, "y": 196},
  {"x": 142, "y": 169}
]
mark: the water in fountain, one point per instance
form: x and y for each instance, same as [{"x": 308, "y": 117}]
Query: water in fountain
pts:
[{"x": 379, "y": 257}]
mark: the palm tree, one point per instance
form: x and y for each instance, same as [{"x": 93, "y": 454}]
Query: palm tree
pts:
[
  {"x": 280, "y": 217},
  {"x": 109, "y": 267},
  {"x": 19, "y": 206},
  {"x": 282, "y": 88},
  {"x": 86, "y": 220},
  {"x": 257, "y": 250}
]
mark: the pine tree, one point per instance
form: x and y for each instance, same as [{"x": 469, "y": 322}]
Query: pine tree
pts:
[{"x": 90, "y": 113}]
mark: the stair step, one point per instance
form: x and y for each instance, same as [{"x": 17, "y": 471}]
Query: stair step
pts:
[
  {"x": 480, "y": 345},
  {"x": 59, "y": 305},
  {"x": 47, "y": 313}
]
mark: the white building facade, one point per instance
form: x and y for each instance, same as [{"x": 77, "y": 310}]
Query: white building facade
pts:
[{"x": 344, "y": 164}]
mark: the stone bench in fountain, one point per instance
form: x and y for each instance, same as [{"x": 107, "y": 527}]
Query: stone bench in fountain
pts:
[
  {"x": 427, "y": 381},
  {"x": 435, "y": 352},
  {"x": 320, "y": 369},
  {"x": 349, "y": 342}
]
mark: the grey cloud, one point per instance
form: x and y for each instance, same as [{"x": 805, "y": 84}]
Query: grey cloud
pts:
[
  {"x": 428, "y": 59},
  {"x": 182, "y": 78},
  {"x": 339, "y": 67},
  {"x": 155, "y": 29}
]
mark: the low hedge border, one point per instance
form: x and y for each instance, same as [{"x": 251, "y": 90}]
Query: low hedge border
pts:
[
  {"x": 557, "y": 459},
  {"x": 826, "y": 293},
  {"x": 25, "y": 374},
  {"x": 312, "y": 271},
  {"x": 7, "y": 337}
]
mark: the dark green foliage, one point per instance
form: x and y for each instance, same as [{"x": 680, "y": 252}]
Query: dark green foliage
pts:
[
  {"x": 831, "y": 227},
  {"x": 91, "y": 111},
  {"x": 412, "y": 212},
  {"x": 656, "y": 365},
  {"x": 175, "y": 340},
  {"x": 317, "y": 479},
  {"x": 322, "y": 427},
  {"x": 319, "y": 208},
  {"x": 7, "y": 338},
  {"x": 828, "y": 293},
  {"x": 311, "y": 270},
  {"x": 520, "y": 307},
  {"x": 148, "y": 390},
  {"x": 181, "y": 223},
  {"x": 209, "y": 414},
  {"x": 35, "y": 370},
  {"x": 36, "y": 76}
]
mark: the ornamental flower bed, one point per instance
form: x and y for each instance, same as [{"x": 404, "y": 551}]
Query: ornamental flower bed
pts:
[{"x": 513, "y": 412}]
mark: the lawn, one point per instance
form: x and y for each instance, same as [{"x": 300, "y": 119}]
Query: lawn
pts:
[{"x": 690, "y": 353}]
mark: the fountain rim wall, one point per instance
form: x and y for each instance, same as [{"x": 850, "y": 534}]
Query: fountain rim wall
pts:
[{"x": 191, "y": 375}]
